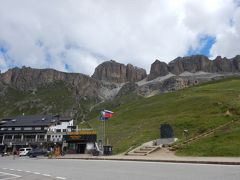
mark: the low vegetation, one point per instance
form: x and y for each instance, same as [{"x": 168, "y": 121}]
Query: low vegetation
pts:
[
  {"x": 54, "y": 98},
  {"x": 197, "y": 109},
  {"x": 137, "y": 120}
]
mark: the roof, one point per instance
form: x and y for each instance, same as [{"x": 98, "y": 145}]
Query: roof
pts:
[{"x": 32, "y": 120}]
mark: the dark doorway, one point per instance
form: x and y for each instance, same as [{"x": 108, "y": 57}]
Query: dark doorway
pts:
[{"x": 81, "y": 148}]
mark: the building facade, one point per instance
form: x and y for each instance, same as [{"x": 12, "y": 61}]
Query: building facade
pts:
[{"x": 44, "y": 131}]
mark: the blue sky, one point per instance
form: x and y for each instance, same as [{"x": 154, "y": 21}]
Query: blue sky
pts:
[
  {"x": 206, "y": 43},
  {"x": 76, "y": 36}
]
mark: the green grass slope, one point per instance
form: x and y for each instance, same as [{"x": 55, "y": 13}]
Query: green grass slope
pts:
[
  {"x": 224, "y": 142},
  {"x": 53, "y": 98},
  {"x": 197, "y": 109}
]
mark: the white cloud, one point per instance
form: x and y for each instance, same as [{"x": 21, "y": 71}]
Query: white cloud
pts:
[
  {"x": 227, "y": 42},
  {"x": 3, "y": 65},
  {"x": 38, "y": 33}
]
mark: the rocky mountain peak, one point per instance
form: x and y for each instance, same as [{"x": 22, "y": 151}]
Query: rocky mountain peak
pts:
[
  {"x": 158, "y": 68},
  {"x": 27, "y": 78},
  {"x": 189, "y": 63},
  {"x": 195, "y": 64},
  {"x": 114, "y": 72}
]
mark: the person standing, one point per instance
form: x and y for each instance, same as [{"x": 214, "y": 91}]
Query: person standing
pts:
[{"x": 14, "y": 154}]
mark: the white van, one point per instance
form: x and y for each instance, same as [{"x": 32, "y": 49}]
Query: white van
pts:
[{"x": 24, "y": 151}]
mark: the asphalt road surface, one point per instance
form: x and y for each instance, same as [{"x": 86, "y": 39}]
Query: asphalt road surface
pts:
[{"x": 25, "y": 168}]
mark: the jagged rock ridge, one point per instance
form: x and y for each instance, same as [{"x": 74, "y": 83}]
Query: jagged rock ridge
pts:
[
  {"x": 195, "y": 64},
  {"x": 28, "y": 78},
  {"x": 112, "y": 79},
  {"x": 114, "y": 72}
]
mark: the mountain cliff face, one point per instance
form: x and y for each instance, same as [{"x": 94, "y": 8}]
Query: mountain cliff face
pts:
[
  {"x": 28, "y": 78},
  {"x": 195, "y": 64},
  {"x": 49, "y": 91},
  {"x": 158, "y": 68},
  {"x": 114, "y": 72}
]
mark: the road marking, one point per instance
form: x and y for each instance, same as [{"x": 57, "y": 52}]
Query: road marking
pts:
[
  {"x": 8, "y": 174},
  {"x": 48, "y": 175},
  {"x": 12, "y": 169},
  {"x": 28, "y": 171},
  {"x": 19, "y": 170},
  {"x": 151, "y": 162},
  {"x": 36, "y": 173},
  {"x": 5, "y": 168},
  {"x": 60, "y": 178}
]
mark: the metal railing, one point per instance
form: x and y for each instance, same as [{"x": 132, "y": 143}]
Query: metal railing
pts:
[{"x": 21, "y": 141}]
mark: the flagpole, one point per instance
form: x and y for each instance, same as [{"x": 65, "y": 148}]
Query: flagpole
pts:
[
  {"x": 105, "y": 115},
  {"x": 104, "y": 132}
]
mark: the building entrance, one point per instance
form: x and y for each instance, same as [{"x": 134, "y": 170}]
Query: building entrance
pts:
[{"x": 81, "y": 148}]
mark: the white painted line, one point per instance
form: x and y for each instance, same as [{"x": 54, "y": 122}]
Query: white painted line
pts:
[
  {"x": 8, "y": 174},
  {"x": 12, "y": 169},
  {"x": 36, "y": 173},
  {"x": 28, "y": 171},
  {"x": 5, "y": 168},
  {"x": 48, "y": 175},
  {"x": 19, "y": 170},
  {"x": 60, "y": 178},
  {"x": 152, "y": 162}
]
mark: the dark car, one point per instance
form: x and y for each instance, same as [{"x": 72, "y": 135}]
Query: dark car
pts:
[
  {"x": 37, "y": 152},
  {"x": 4, "y": 154}
]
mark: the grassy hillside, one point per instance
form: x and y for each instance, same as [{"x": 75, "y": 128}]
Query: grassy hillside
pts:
[
  {"x": 197, "y": 109},
  {"x": 54, "y": 98},
  {"x": 224, "y": 142}
]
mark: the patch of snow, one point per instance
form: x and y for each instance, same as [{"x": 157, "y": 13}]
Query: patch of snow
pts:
[
  {"x": 142, "y": 82},
  {"x": 186, "y": 73},
  {"x": 199, "y": 73},
  {"x": 202, "y": 73},
  {"x": 158, "y": 79}
]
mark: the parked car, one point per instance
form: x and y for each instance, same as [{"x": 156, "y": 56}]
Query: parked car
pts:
[
  {"x": 24, "y": 151},
  {"x": 37, "y": 152},
  {"x": 4, "y": 154}
]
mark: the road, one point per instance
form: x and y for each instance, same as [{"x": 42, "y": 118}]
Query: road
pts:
[{"x": 25, "y": 168}]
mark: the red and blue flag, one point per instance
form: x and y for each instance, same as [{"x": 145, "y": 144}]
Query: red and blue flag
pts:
[{"x": 106, "y": 114}]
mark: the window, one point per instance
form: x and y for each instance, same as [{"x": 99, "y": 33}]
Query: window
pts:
[
  {"x": 28, "y": 128},
  {"x": 59, "y": 130},
  {"x": 45, "y": 128},
  {"x": 38, "y": 128},
  {"x": 8, "y": 137},
  {"x": 9, "y": 129},
  {"x": 18, "y": 129},
  {"x": 64, "y": 130},
  {"x": 17, "y": 136},
  {"x": 41, "y": 137}
]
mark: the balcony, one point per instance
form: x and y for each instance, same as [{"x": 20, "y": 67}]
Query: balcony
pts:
[{"x": 25, "y": 141}]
